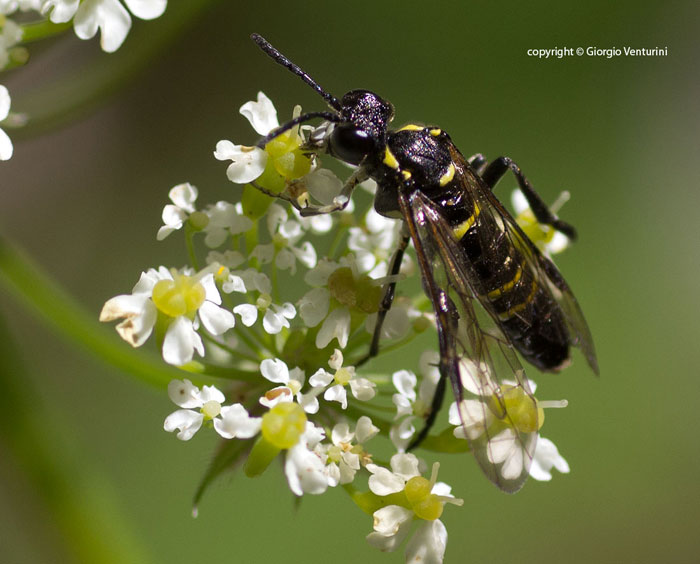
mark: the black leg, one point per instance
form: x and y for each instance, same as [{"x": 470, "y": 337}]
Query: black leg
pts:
[
  {"x": 388, "y": 297},
  {"x": 477, "y": 161},
  {"x": 494, "y": 171}
]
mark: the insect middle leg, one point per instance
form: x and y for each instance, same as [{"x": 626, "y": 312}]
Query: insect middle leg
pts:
[
  {"x": 491, "y": 173},
  {"x": 388, "y": 296}
]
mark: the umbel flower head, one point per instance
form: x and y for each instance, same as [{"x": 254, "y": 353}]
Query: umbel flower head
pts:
[{"x": 281, "y": 319}]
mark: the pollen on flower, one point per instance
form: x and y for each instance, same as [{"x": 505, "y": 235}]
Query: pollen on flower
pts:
[
  {"x": 181, "y": 296},
  {"x": 284, "y": 424},
  {"x": 275, "y": 393}
]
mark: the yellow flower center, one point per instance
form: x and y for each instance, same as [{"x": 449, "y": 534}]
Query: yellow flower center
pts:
[
  {"x": 425, "y": 505},
  {"x": 361, "y": 294},
  {"x": 211, "y": 409},
  {"x": 181, "y": 296},
  {"x": 343, "y": 376},
  {"x": 284, "y": 424},
  {"x": 526, "y": 415},
  {"x": 287, "y": 158}
]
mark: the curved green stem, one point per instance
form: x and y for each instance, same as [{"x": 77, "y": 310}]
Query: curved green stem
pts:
[
  {"x": 80, "y": 507},
  {"x": 53, "y": 306},
  {"x": 36, "y": 31}
]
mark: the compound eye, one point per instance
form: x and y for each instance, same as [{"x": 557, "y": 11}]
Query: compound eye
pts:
[{"x": 350, "y": 144}]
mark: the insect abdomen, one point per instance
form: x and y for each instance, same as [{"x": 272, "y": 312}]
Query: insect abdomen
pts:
[{"x": 524, "y": 309}]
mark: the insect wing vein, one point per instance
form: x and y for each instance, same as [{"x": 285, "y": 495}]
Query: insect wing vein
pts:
[{"x": 480, "y": 363}]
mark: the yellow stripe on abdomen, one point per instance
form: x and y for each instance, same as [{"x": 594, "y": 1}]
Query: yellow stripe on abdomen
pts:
[
  {"x": 461, "y": 229},
  {"x": 498, "y": 292}
]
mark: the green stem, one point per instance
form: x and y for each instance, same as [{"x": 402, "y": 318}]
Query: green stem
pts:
[
  {"x": 43, "y": 30},
  {"x": 52, "y": 305},
  {"x": 189, "y": 243},
  {"x": 337, "y": 239},
  {"x": 246, "y": 336},
  {"x": 233, "y": 352},
  {"x": 77, "y": 502}
]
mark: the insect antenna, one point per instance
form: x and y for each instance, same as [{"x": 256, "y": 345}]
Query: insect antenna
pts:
[{"x": 279, "y": 58}]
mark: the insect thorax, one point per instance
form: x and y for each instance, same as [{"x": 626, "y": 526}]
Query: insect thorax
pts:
[{"x": 415, "y": 157}]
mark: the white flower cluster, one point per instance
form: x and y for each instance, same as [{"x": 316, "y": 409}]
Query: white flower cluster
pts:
[{"x": 288, "y": 329}]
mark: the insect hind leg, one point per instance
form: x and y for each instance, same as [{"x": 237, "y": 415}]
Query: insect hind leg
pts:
[{"x": 491, "y": 173}]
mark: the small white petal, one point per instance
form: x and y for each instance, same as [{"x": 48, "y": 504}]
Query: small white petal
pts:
[
  {"x": 313, "y": 307},
  {"x": 365, "y": 430},
  {"x": 405, "y": 465},
  {"x": 305, "y": 471},
  {"x": 321, "y": 378},
  {"x": 274, "y": 370},
  {"x": 362, "y": 389},
  {"x": 337, "y": 393},
  {"x": 187, "y": 421},
  {"x": 139, "y": 315},
  {"x": 335, "y": 326},
  {"x": 146, "y": 9},
  {"x": 384, "y": 482},
  {"x": 180, "y": 342},
  {"x": 427, "y": 545},
  {"x": 211, "y": 393},
  {"x": 389, "y": 519},
  {"x": 547, "y": 457},
  {"x": 285, "y": 260},
  {"x": 336, "y": 359},
  {"x": 184, "y": 196},
  {"x": 392, "y": 542},
  {"x": 63, "y": 10},
  {"x": 273, "y": 322},
  {"x": 405, "y": 382},
  {"x": 6, "y": 148},
  {"x": 323, "y": 185},
  {"x": 107, "y": 15},
  {"x": 309, "y": 401},
  {"x": 173, "y": 216},
  {"x": 234, "y": 284},
  {"x": 236, "y": 422},
  {"x": 341, "y": 433},
  {"x": 264, "y": 253},
  {"x": 262, "y": 114},
  {"x": 248, "y": 313},
  {"x": 306, "y": 254},
  {"x": 215, "y": 319},
  {"x": 247, "y": 162},
  {"x": 519, "y": 202},
  {"x": 184, "y": 394},
  {"x": 4, "y": 102}
]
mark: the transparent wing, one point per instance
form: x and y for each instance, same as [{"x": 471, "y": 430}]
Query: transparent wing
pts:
[
  {"x": 494, "y": 403},
  {"x": 542, "y": 268}
]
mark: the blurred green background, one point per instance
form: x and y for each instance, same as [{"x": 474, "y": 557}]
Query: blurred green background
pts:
[{"x": 621, "y": 134}]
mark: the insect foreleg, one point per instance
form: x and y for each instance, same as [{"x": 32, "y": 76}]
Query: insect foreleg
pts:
[
  {"x": 341, "y": 201},
  {"x": 495, "y": 170}
]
